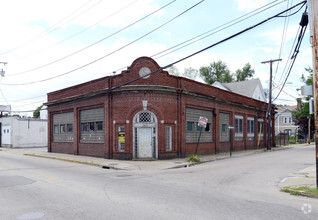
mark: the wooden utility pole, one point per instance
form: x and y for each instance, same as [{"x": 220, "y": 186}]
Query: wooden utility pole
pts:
[
  {"x": 313, "y": 18},
  {"x": 269, "y": 111}
]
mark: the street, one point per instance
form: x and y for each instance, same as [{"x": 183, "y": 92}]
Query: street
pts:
[{"x": 236, "y": 188}]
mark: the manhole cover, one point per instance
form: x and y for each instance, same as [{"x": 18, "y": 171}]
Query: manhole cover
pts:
[
  {"x": 8, "y": 181},
  {"x": 178, "y": 162},
  {"x": 113, "y": 164}
]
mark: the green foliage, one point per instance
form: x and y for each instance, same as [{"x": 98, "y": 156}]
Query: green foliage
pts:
[
  {"x": 190, "y": 73},
  {"x": 174, "y": 71},
  {"x": 194, "y": 158},
  {"x": 301, "y": 190},
  {"x": 216, "y": 71},
  {"x": 309, "y": 80},
  {"x": 36, "y": 113},
  {"x": 245, "y": 73},
  {"x": 301, "y": 114}
]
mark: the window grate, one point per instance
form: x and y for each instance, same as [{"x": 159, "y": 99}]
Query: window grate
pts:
[{"x": 144, "y": 117}]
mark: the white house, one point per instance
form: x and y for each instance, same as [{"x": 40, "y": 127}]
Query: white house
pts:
[
  {"x": 23, "y": 132},
  {"x": 251, "y": 88},
  {"x": 284, "y": 121}
]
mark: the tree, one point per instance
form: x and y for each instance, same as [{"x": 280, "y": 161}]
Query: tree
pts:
[
  {"x": 245, "y": 73},
  {"x": 190, "y": 73},
  {"x": 301, "y": 114},
  {"x": 216, "y": 71},
  {"x": 309, "y": 80},
  {"x": 174, "y": 71},
  {"x": 36, "y": 113}
]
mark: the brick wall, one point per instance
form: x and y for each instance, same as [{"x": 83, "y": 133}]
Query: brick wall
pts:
[{"x": 167, "y": 97}]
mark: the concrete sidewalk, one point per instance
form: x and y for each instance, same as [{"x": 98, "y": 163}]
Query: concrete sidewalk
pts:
[
  {"x": 132, "y": 164},
  {"x": 304, "y": 177}
]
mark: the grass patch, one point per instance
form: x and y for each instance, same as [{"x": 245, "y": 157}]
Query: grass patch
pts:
[
  {"x": 194, "y": 158},
  {"x": 301, "y": 191}
]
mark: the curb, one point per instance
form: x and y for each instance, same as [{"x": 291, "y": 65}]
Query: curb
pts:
[
  {"x": 298, "y": 192},
  {"x": 65, "y": 159}
]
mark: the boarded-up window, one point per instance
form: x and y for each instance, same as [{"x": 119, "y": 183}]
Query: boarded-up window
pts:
[
  {"x": 63, "y": 127},
  {"x": 92, "y": 128},
  {"x": 192, "y": 118},
  {"x": 224, "y": 119}
]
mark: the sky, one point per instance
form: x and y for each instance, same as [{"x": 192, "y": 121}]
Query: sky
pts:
[{"x": 51, "y": 45}]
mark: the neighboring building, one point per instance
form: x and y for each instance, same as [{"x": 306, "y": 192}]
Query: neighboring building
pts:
[
  {"x": 251, "y": 88},
  {"x": 284, "y": 120},
  {"x": 23, "y": 132},
  {"x": 153, "y": 117}
]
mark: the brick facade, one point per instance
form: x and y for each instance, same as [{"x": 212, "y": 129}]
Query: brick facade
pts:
[{"x": 166, "y": 98}]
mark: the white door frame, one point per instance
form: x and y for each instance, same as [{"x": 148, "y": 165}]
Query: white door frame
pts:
[{"x": 139, "y": 123}]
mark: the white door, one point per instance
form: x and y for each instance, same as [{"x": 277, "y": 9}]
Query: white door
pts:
[{"x": 144, "y": 143}]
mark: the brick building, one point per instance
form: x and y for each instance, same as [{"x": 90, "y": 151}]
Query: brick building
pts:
[{"x": 153, "y": 117}]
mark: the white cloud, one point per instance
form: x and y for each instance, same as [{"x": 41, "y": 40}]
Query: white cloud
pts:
[{"x": 249, "y": 5}]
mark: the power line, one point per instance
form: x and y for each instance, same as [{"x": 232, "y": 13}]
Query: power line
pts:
[
  {"x": 50, "y": 29},
  {"x": 286, "y": 22},
  {"x": 80, "y": 32},
  {"x": 303, "y": 24},
  {"x": 96, "y": 60},
  {"x": 216, "y": 30},
  {"x": 193, "y": 54},
  {"x": 96, "y": 42},
  {"x": 200, "y": 51}
]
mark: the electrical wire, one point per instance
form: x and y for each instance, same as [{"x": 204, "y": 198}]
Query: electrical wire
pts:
[
  {"x": 198, "y": 37},
  {"x": 216, "y": 30},
  {"x": 79, "y": 32},
  {"x": 96, "y": 60},
  {"x": 96, "y": 42},
  {"x": 49, "y": 30},
  {"x": 286, "y": 22},
  {"x": 195, "y": 53},
  {"x": 120, "y": 69},
  {"x": 294, "y": 56}
]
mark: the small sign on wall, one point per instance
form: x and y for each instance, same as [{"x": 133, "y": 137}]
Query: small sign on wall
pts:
[{"x": 121, "y": 137}]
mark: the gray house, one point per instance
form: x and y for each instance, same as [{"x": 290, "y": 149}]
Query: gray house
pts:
[{"x": 251, "y": 88}]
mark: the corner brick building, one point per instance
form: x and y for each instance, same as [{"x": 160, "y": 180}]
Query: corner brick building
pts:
[{"x": 152, "y": 117}]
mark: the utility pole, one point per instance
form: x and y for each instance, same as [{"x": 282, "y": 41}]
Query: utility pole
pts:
[
  {"x": 269, "y": 111},
  {"x": 313, "y": 18}
]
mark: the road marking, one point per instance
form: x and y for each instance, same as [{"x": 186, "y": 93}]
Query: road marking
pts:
[{"x": 49, "y": 177}]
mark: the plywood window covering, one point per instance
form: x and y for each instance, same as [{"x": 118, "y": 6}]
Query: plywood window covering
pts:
[
  {"x": 92, "y": 125},
  {"x": 193, "y": 131},
  {"x": 63, "y": 127}
]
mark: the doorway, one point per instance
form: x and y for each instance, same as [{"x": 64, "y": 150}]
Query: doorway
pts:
[{"x": 145, "y": 135}]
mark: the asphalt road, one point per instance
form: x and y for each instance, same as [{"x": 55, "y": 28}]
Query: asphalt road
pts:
[{"x": 237, "y": 188}]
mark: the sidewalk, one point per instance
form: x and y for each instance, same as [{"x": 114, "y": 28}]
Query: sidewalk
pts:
[
  {"x": 131, "y": 164},
  {"x": 304, "y": 177}
]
